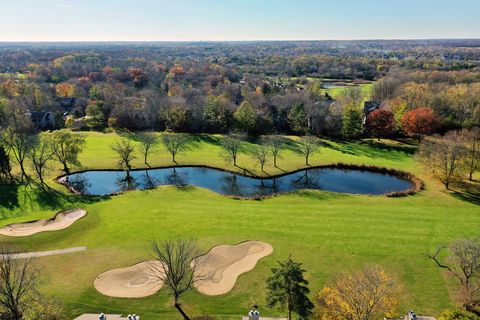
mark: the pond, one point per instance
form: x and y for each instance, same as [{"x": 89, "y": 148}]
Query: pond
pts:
[{"x": 227, "y": 183}]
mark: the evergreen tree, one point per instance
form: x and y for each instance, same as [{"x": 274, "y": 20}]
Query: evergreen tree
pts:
[
  {"x": 297, "y": 118},
  {"x": 288, "y": 288},
  {"x": 246, "y": 117},
  {"x": 352, "y": 121}
]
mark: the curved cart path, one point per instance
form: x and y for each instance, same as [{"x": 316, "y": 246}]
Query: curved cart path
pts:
[{"x": 28, "y": 255}]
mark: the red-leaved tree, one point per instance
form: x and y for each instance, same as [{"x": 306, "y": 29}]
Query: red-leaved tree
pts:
[
  {"x": 419, "y": 122},
  {"x": 380, "y": 123}
]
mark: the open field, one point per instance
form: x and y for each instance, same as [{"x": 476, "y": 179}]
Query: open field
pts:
[{"x": 328, "y": 232}]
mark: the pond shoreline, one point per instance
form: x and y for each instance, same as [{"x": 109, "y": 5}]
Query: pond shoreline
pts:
[{"x": 416, "y": 184}]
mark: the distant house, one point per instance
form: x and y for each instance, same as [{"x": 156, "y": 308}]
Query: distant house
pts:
[
  {"x": 43, "y": 120},
  {"x": 67, "y": 104},
  {"x": 370, "y": 106}
]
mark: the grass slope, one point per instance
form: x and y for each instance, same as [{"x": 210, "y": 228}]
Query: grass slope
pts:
[{"x": 328, "y": 232}]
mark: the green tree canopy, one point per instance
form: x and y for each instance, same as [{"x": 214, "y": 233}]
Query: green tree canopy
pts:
[{"x": 288, "y": 288}]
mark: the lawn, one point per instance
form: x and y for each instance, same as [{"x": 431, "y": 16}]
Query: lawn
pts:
[{"x": 328, "y": 232}]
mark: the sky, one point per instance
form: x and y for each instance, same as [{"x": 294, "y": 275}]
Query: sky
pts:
[{"x": 234, "y": 20}]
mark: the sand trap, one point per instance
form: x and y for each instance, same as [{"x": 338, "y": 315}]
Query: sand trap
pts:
[
  {"x": 222, "y": 265},
  {"x": 60, "y": 221},
  {"x": 136, "y": 281}
]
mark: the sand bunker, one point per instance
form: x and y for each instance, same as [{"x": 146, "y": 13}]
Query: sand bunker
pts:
[
  {"x": 222, "y": 265},
  {"x": 62, "y": 220},
  {"x": 136, "y": 281}
]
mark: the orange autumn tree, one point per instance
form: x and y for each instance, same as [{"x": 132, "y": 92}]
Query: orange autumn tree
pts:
[
  {"x": 370, "y": 293},
  {"x": 9, "y": 89},
  {"x": 65, "y": 90},
  {"x": 419, "y": 122},
  {"x": 380, "y": 123}
]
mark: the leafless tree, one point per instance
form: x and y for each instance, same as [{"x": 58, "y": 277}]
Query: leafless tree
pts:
[
  {"x": 463, "y": 263},
  {"x": 275, "y": 144},
  {"x": 148, "y": 141},
  {"x": 308, "y": 146},
  {"x": 261, "y": 154},
  {"x": 177, "y": 268},
  {"x": 40, "y": 154},
  {"x": 18, "y": 284},
  {"x": 472, "y": 152},
  {"x": 126, "y": 153},
  {"x": 442, "y": 157},
  {"x": 175, "y": 143},
  {"x": 18, "y": 134},
  {"x": 231, "y": 147}
]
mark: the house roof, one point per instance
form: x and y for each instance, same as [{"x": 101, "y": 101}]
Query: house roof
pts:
[{"x": 370, "y": 106}]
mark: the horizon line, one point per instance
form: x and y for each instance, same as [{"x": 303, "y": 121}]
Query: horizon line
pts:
[{"x": 240, "y": 40}]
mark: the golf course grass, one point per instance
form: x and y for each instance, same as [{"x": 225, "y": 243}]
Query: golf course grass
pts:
[{"x": 328, "y": 232}]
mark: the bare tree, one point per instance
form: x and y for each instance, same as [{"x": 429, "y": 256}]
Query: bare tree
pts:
[
  {"x": 40, "y": 154},
  {"x": 463, "y": 263},
  {"x": 18, "y": 134},
  {"x": 18, "y": 284},
  {"x": 275, "y": 144},
  {"x": 177, "y": 268},
  {"x": 125, "y": 151},
  {"x": 261, "y": 153},
  {"x": 175, "y": 143},
  {"x": 472, "y": 152},
  {"x": 148, "y": 140},
  {"x": 442, "y": 157},
  {"x": 308, "y": 146},
  {"x": 366, "y": 294},
  {"x": 231, "y": 147},
  {"x": 66, "y": 146}
]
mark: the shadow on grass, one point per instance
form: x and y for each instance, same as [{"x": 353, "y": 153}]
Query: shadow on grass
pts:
[
  {"x": 371, "y": 148},
  {"x": 16, "y": 198},
  {"x": 469, "y": 191},
  {"x": 320, "y": 195},
  {"x": 9, "y": 196}
]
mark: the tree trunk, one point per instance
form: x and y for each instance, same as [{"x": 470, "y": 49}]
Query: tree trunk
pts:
[
  {"x": 306, "y": 160},
  {"x": 65, "y": 168},
  {"x": 275, "y": 161},
  {"x": 179, "y": 308},
  {"x": 22, "y": 170},
  {"x": 470, "y": 177}
]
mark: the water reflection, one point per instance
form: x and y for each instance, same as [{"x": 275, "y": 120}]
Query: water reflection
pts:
[
  {"x": 307, "y": 180},
  {"x": 126, "y": 183},
  {"x": 228, "y": 183}
]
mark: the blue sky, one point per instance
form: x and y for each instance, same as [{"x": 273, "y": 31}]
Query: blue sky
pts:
[{"x": 187, "y": 20}]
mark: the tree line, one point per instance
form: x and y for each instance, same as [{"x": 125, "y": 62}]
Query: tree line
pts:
[{"x": 453, "y": 157}]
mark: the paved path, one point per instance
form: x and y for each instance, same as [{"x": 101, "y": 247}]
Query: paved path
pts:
[
  {"x": 38, "y": 254},
  {"x": 263, "y": 318},
  {"x": 91, "y": 316}
]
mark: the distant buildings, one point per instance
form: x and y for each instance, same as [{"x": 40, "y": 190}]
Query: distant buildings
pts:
[{"x": 43, "y": 120}]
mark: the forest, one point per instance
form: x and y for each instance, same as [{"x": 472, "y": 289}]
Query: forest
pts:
[{"x": 256, "y": 88}]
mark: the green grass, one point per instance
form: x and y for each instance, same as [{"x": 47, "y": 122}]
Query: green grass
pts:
[
  {"x": 17, "y": 75},
  {"x": 365, "y": 88},
  {"x": 328, "y": 232}
]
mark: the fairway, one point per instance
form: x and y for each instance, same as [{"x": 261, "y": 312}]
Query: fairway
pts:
[{"x": 328, "y": 232}]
